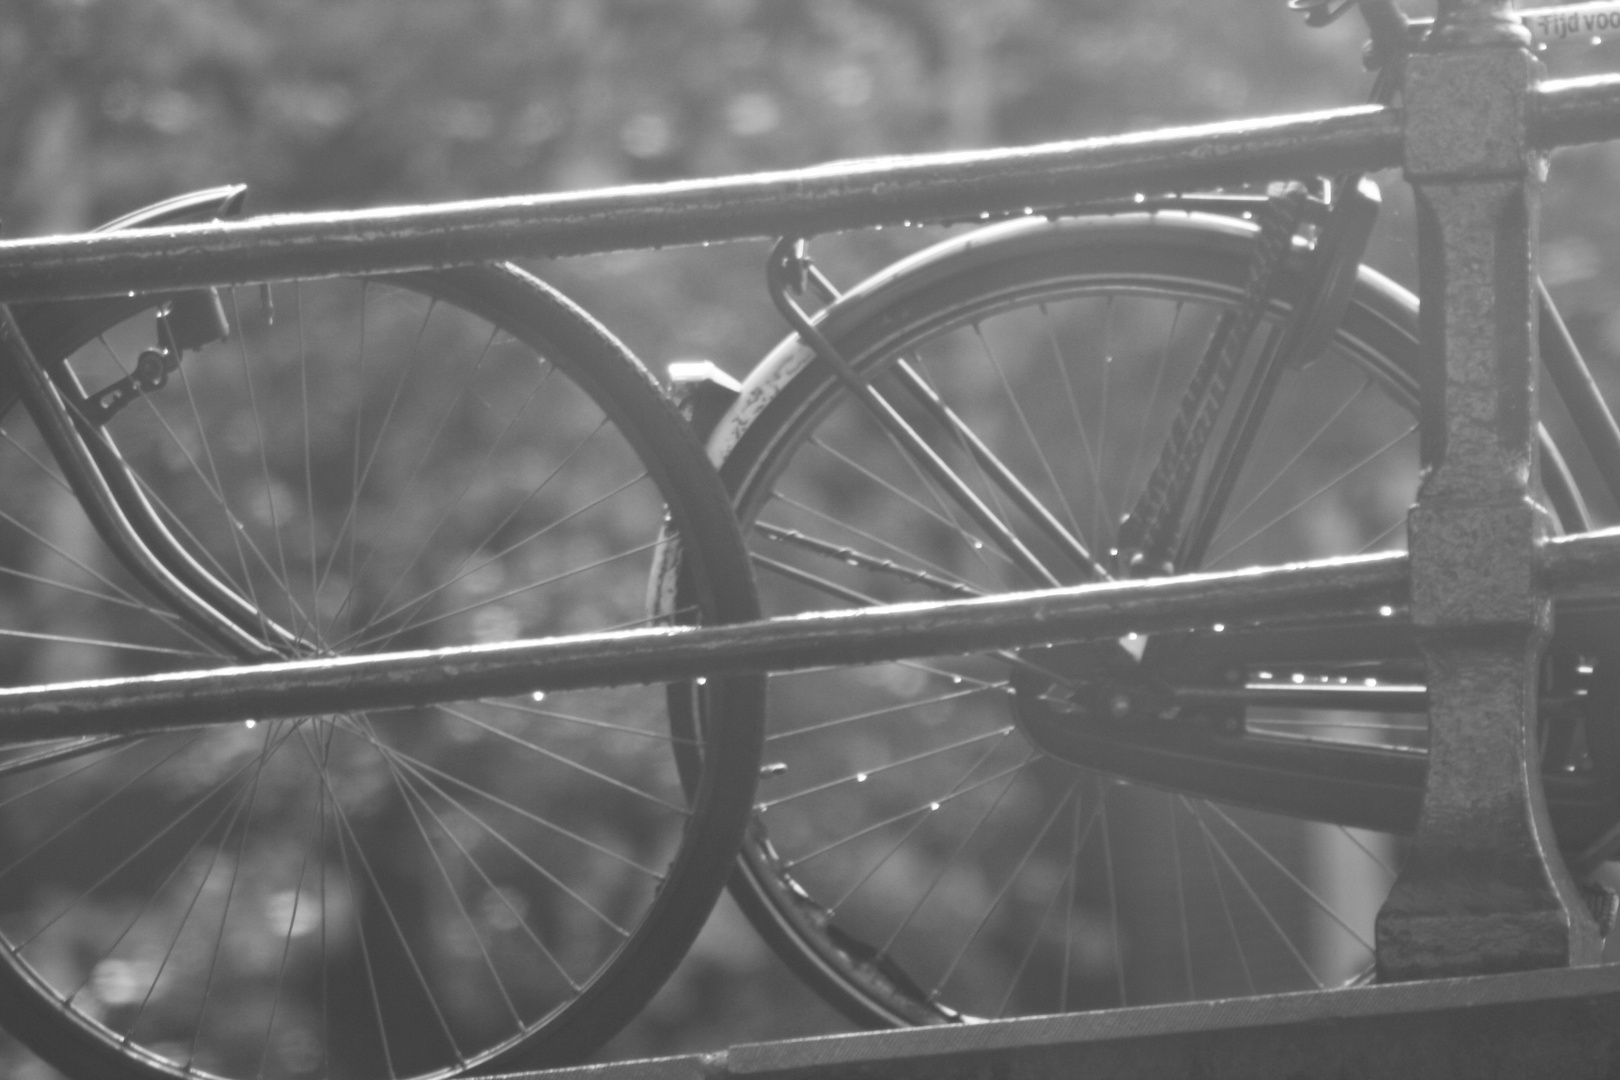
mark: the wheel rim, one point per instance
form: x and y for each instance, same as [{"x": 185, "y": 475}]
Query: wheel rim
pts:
[
  {"x": 913, "y": 854},
  {"x": 388, "y": 894}
]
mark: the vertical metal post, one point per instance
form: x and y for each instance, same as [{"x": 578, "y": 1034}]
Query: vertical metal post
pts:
[{"x": 1481, "y": 889}]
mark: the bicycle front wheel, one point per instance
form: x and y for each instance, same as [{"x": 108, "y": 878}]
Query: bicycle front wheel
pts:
[
  {"x": 360, "y": 466},
  {"x": 920, "y": 852}
]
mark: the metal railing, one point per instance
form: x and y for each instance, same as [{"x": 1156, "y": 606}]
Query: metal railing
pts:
[{"x": 1477, "y": 584}]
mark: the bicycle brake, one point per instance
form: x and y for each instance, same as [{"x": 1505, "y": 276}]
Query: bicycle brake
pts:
[{"x": 189, "y": 322}]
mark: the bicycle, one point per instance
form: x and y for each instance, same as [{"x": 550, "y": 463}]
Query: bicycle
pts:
[
  {"x": 215, "y": 577},
  {"x": 942, "y": 839},
  {"x": 341, "y": 467}
]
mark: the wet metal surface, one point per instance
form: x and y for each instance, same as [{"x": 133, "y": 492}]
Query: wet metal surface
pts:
[
  {"x": 859, "y": 194},
  {"x": 116, "y": 706},
  {"x": 1504, "y": 1027},
  {"x": 882, "y": 191},
  {"x": 1570, "y": 567}
]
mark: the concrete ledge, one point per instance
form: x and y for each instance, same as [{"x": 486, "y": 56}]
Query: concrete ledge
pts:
[{"x": 1562, "y": 1024}]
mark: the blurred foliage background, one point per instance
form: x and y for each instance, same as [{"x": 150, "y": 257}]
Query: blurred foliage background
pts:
[{"x": 109, "y": 104}]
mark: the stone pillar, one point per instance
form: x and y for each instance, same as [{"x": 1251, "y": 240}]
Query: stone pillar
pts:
[{"x": 1483, "y": 889}]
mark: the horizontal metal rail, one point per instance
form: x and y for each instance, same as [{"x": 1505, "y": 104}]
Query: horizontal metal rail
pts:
[
  {"x": 827, "y": 198},
  {"x": 1337, "y": 587},
  {"x": 958, "y": 186},
  {"x": 1495, "y": 1027}
]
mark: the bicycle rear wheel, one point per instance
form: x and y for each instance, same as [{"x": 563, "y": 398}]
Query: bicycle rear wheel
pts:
[
  {"x": 920, "y": 852},
  {"x": 403, "y": 463}
]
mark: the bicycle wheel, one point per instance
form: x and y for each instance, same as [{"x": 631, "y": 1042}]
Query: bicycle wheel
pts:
[
  {"x": 363, "y": 465},
  {"x": 920, "y": 853}
]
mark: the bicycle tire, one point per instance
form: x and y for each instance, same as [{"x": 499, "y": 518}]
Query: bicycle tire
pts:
[
  {"x": 915, "y": 856},
  {"x": 405, "y": 462}
]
